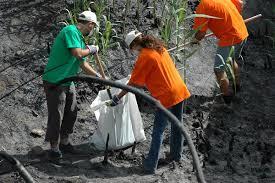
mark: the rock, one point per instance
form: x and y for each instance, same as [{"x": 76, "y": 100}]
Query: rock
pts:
[
  {"x": 2, "y": 86},
  {"x": 15, "y": 21},
  {"x": 37, "y": 151},
  {"x": 37, "y": 133},
  {"x": 34, "y": 113},
  {"x": 19, "y": 53}
]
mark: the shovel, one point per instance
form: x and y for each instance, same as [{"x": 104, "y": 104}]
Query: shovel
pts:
[
  {"x": 102, "y": 74},
  {"x": 105, "y": 161},
  {"x": 181, "y": 47}
]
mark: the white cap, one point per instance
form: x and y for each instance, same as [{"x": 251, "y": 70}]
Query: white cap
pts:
[
  {"x": 131, "y": 36},
  {"x": 88, "y": 16}
]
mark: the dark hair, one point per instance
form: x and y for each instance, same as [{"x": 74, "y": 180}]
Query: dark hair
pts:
[{"x": 148, "y": 41}]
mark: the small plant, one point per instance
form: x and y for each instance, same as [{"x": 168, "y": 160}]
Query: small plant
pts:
[
  {"x": 127, "y": 8},
  {"x": 138, "y": 13},
  {"x": 99, "y": 7},
  {"x": 229, "y": 67},
  {"x": 105, "y": 38},
  {"x": 174, "y": 12}
]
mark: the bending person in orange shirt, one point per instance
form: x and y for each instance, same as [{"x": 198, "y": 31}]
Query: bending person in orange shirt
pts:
[
  {"x": 238, "y": 4},
  {"x": 155, "y": 70},
  {"x": 231, "y": 31}
]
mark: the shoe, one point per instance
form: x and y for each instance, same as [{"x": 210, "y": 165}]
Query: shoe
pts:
[
  {"x": 238, "y": 88},
  {"x": 227, "y": 99},
  {"x": 67, "y": 149},
  {"x": 55, "y": 154},
  {"x": 146, "y": 171},
  {"x": 164, "y": 161}
]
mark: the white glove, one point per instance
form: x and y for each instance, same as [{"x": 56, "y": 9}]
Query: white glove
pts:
[
  {"x": 98, "y": 75},
  {"x": 93, "y": 49}
]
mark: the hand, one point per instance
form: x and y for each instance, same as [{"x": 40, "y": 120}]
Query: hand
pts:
[
  {"x": 98, "y": 75},
  {"x": 93, "y": 49},
  {"x": 195, "y": 41},
  {"x": 115, "y": 101}
]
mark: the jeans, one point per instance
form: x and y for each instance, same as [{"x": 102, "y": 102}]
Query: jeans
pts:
[{"x": 176, "y": 138}]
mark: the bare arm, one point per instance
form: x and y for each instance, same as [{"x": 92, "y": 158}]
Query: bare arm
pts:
[
  {"x": 85, "y": 66},
  {"x": 79, "y": 53}
]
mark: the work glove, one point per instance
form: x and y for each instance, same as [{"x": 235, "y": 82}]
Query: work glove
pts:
[
  {"x": 93, "y": 49},
  {"x": 195, "y": 41},
  {"x": 115, "y": 101},
  {"x": 98, "y": 75}
]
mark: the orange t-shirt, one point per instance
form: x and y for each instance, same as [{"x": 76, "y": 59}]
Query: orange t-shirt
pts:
[
  {"x": 230, "y": 29},
  {"x": 158, "y": 74},
  {"x": 238, "y": 4}
]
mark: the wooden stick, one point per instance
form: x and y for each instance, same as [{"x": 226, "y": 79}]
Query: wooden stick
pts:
[
  {"x": 245, "y": 21},
  {"x": 211, "y": 34},
  {"x": 101, "y": 71}
]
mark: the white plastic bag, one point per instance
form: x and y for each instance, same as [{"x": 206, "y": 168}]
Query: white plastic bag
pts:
[{"x": 123, "y": 122}]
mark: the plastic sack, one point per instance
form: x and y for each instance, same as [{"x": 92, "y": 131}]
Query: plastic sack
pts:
[{"x": 123, "y": 122}]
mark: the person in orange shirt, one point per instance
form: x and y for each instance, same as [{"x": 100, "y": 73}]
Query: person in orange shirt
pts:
[
  {"x": 155, "y": 70},
  {"x": 238, "y": 4},
  {"x": 231, "y": 31}
]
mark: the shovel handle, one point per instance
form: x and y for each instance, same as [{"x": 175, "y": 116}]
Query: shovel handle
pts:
[
  {"x": 101, "y": 71},
  {"x": 245, "y": 21},
  {"x": 211, "y": 34},
  {"x": 100, "y": 66}
]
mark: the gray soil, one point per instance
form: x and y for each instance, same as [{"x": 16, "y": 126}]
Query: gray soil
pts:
[{"x": 235, "y": 145}]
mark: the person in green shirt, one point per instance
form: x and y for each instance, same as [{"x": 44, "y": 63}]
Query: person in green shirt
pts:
[{"x": 67, "y": 57}]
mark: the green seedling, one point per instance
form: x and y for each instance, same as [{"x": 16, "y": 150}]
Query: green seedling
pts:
[
  {"x": 127, "y": 8},
  {"x": 229, "y": 67},
  {"x": 138, "y": 13}
]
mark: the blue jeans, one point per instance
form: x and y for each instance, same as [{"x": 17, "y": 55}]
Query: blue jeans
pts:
[{"x": 176, "y": 138}]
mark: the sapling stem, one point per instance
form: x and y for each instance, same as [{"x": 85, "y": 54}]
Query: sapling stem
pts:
[
  {"x": 127, "y": 7},
  {"x": 138, "y": 13}
]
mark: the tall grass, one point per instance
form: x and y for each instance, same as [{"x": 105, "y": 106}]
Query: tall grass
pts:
[{"x": 172, "y": 14}]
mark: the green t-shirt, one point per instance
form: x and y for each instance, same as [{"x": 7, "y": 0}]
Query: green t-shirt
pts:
[{"x": 62, "y": 64}]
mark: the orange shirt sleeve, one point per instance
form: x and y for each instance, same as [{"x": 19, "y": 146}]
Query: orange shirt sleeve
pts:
[
  {"x": 141, "y": 71},
  {"x": 201, "y": 23},
  {"x": 238, "y": 4}
]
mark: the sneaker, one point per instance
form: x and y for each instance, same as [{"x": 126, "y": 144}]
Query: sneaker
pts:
[
  {"x": 69, "y": 148},
  {"x": 147, "y": 171},
  {"x": 238, "y": 88},
  {"x": 55, "y": 154},
  {"x": 227, "y": 99},
  {"x": 163, "y": 162}
]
